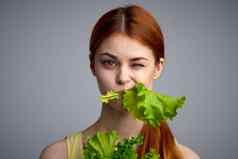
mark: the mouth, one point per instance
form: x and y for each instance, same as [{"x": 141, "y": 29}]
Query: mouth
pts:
[
  {"x": 135, "y": 82},
  {"x": 122, "y": 90}
]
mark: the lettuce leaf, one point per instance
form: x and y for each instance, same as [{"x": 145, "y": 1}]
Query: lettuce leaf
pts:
[
  {"x": 151, "y": 155},
  {"x": 105, "y": 145},
  {"x": 127, "y": 148},
  {"x": 147, "y": 105},
  {"x": 101, "y": 145},
  {"x": 109, "y": 96}
]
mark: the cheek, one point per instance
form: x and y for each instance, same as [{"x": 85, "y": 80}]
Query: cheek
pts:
[
  {"x": 146, "y": 77},
  {"x": 105, "y": 80}
]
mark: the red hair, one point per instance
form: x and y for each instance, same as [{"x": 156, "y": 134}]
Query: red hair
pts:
[{"x": 137, "y": 23}]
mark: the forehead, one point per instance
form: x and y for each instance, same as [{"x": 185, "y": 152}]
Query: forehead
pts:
[{"x": 123, "y": 46}]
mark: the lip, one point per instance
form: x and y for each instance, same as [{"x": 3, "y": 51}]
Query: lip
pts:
[{"x": 120, "y": 90}]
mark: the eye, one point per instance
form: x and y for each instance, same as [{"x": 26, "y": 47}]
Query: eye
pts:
[
  {"x": 138, "y": 65},
  {"x": 109, "y": 63}
]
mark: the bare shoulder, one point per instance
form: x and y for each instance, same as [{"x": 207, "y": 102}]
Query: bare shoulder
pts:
[
  {"x": 56, "y": 150},
  {"x": 187, "y": 152}
]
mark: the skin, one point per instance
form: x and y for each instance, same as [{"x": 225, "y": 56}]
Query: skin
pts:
[{"x": 115, "y": 70}]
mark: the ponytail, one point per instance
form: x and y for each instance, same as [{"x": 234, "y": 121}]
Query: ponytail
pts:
[{"x": 161, "y": 139}]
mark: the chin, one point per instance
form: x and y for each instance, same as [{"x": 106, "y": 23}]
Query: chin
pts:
[
  {"x": 118, "y": 106},
  {"x": 121, "y": 110}
]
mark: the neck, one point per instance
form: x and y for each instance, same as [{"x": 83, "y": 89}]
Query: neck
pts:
[{"x": 121, "y": 121}]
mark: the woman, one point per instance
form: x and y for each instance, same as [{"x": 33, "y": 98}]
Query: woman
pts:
[{"x": 126, "y": 46}]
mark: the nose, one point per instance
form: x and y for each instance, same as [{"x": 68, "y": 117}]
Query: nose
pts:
[{"x": 124, "y": 76}]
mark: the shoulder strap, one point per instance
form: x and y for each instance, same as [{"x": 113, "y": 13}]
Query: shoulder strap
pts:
[{"x": 74, "y": 146}]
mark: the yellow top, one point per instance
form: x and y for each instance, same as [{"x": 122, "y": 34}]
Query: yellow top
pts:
[{"x": 74, "y": 146}]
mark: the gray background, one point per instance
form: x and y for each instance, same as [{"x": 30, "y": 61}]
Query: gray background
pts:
[{"x": 47, "y": 90}]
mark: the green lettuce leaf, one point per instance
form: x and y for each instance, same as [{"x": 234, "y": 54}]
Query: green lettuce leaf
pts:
[
  {"x": 147, "y": 105},
  {"x": 151, "y": 155},
  {"x": 127, "y": 148},
  {"x": 105, "y": 145},
  {"x": 101, "y": 145},
  {"x": 109, "y": 96}
]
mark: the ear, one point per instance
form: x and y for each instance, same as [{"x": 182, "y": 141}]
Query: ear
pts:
[
  {"x": 159, "y": 68},
  {"x": 92, "y": 67}
]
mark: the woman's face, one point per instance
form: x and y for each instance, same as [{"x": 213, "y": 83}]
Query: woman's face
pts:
[{"x": 121, "y": 60}]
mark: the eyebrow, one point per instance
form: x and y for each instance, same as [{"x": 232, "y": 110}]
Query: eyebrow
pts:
[{"x": 114, "y": 57}]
